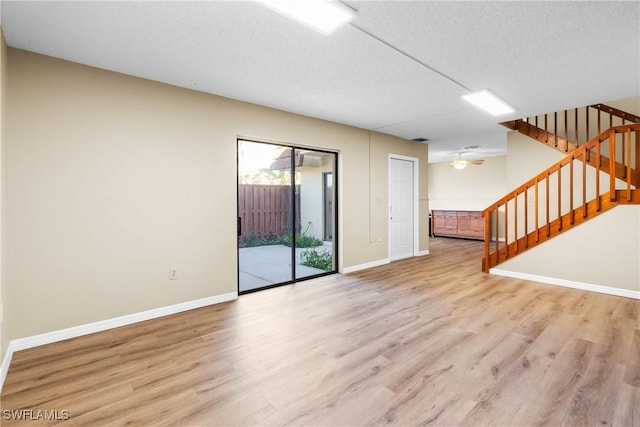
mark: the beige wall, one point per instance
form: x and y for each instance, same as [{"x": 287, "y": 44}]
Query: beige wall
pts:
[
  {"x": 377, "y": 192},
  {"x": 472, "y": 188},
  {"x": 526, "y": 158},
  {"x": 630, "y": 105},
  {"x": 585, "y": 255},
  {"x": 3, "y": 183},
  {"x": 113, "y": 180}
]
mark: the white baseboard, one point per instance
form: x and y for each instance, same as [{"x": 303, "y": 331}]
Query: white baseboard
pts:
[
  {"x": 6, "y": 361},
  {"x": 377, "y": 263},
  {"x": 366, "y": 265},
  {"x": 103, "y": 325},
  {"x": 567, "y": 283}
]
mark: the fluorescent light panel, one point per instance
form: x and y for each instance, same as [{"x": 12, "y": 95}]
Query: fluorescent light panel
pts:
[
  {"x": 324, "y": 16},
  {"x": 488, "y": 102}
]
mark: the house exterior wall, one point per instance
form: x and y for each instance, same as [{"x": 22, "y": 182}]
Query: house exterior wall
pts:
[{"x": 311, "y": 198}]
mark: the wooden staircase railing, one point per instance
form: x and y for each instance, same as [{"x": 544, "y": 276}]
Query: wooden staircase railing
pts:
[
  {"x": 564, "y": 195},
  {"x": 567, "y": 130}
]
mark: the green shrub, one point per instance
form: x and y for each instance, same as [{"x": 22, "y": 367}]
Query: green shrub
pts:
[
  {"x": 302, "y": 241},
  {"x": 253, "y": 240},
  {"x": 322, "y": 260}
]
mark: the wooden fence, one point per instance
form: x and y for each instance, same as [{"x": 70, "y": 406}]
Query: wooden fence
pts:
[{"x": 265, "y": 210}]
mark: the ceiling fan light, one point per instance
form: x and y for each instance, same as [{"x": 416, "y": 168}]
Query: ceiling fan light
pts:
[
  {"x": 489, "y": 102},
  {"x": 459, "y": 164},
  {"x": 324, "y": 16}
]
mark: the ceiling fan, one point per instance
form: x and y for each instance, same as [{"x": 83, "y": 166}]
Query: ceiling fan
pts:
[{"x": 460, "y": 163}]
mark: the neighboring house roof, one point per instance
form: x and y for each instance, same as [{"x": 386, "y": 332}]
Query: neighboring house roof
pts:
[{"x": 283, "y": 161}]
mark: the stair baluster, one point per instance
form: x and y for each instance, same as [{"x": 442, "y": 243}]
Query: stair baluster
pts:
[{"x": 508, "y": 243}]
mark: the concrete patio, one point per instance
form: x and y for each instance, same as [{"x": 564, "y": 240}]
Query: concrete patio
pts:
[{"x": 267, "y": 265}]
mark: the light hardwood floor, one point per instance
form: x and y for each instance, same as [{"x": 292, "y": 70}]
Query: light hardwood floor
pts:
[{"x": 425, "y": 341}]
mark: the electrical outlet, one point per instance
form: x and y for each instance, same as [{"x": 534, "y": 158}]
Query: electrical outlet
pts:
[{"x": 173, "y": 274}]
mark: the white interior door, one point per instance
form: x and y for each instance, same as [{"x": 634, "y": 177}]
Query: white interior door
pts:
[{"x": 401, "y": 208}]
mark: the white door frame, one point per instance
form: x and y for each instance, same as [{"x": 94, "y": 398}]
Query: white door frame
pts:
[{"x": 416, "y": 219}]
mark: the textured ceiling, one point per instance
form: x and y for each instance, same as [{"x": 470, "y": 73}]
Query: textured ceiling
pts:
[{"x": 399, "y": 67}]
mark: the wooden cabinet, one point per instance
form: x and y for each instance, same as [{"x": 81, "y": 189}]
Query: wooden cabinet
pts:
[
  {"x": 445, "y": 222},
  {"x": 467, "y": 224}
]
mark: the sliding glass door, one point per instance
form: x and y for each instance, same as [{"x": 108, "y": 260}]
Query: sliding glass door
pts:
[{"x": 286, "y": 214}]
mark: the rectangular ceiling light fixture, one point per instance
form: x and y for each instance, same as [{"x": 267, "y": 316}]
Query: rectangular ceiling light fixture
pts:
[
  {"x": 488, "y": 102},
  {"x": 324, "y": 16}
]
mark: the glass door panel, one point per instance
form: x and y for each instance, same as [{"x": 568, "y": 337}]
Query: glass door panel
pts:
[
  {"x": 314, "y": 242},
  {"x": 264, "y": 215}
]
